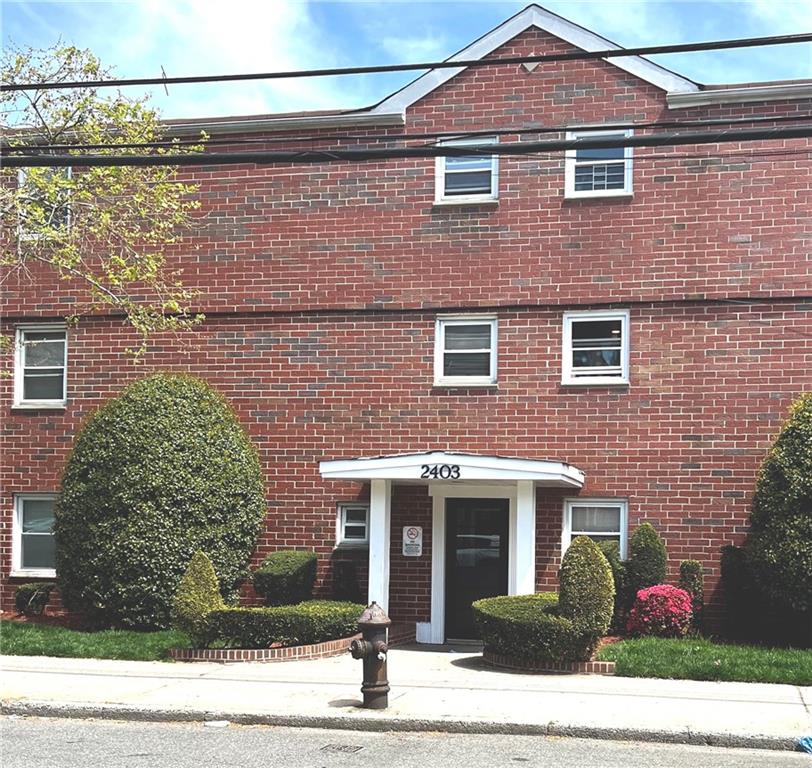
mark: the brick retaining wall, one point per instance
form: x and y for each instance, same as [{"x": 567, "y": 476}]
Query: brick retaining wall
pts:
[{"x": 548, "y": 667}]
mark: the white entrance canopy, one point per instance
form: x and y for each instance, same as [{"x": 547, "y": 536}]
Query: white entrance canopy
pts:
[
  {"x": 453, "y": 475},
  {"x": 443, "y": 466}
]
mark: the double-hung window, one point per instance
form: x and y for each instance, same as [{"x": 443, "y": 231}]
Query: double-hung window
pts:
[
  {"x": 600, "y": 519},
  {"x": 596, "y": 347},
  {"x": 40, "y": 370},
  {"x": 33, "y": 543},
  {"x": 467, "y": 178},
  {"x": 353, "y": 525},
  {"x": 598, "y": 172},
  {"x": 465, "y": 351}
]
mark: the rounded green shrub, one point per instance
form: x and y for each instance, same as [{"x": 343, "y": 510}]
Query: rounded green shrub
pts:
[
  {"x": 779, "y": 546},
  {"x": 530, "y": 627},
  {"x": 611, "y": 551},
  {"x": 197, "y": 596},
  {"x": 587, "y": 595},
  {"x": 692, "y": 580},
  {"x": 286, "y": 577},
  {"x": 647, "y": 560},
  {"x": 160, "y": 471},
  {"x": 303, "y": 624}
]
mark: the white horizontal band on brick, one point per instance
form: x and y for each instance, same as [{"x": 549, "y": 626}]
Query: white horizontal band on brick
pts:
[{"x": 409, "y": 466}]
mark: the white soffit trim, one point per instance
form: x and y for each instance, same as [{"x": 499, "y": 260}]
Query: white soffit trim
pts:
[
  {"x": 778, "y": 92},
  {"x": 465, "y": 467},
  {"x": 534, "y": 16}
]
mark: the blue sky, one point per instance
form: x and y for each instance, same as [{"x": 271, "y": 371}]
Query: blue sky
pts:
[{"x": 213, "y": 36}]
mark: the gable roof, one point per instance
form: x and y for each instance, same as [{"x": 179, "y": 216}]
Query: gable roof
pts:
[{"x": 535, "y": 16}]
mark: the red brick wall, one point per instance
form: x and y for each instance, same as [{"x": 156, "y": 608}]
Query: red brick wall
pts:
[
  {"x": 710, "y": 384},
  {"x": 321, "y": 283}
]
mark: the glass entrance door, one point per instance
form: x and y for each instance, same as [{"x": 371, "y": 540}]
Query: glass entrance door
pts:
[{"x": 476, "y": 559}]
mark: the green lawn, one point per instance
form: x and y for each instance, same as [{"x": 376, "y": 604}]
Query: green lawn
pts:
[
  {"x": 700, "y": 659},
  {"x": 20, "y": 639}
]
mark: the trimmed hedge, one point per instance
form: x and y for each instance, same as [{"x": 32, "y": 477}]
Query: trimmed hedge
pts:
[
  {"x": 160, "y": 471},
  {"x": 779, "y": 546},
  {"x": 286, "y": 577},
  {"x": 692, "y": 580},
  {"x": 32, "y": 598},
  {"x": 197, "y": 596},
  {"x": 587, "y": 589},
  {"x": 647, "y": 560},
  {"x": 530, "y": 627},
  {"x": 303, "y": 624},
  {"x": 611, "y": 551}
]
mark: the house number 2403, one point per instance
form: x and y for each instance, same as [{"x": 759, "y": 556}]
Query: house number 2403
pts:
[{"x": 440, "y": 471}]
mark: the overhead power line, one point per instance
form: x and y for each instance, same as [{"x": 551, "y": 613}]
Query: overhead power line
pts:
[
  {"x": 713, "y": 45},
  {"x": 515, "y": 130},
  {"x": 310, "y": 156}
]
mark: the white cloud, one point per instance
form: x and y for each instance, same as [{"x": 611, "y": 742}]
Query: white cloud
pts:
[{"x": 431, "y": 47}]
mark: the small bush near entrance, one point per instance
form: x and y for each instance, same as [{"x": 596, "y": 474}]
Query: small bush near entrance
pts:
[
  {"x": 157, "y": 473},
  {"x": 530, "y": 627},
  {"x": 662, "y": 611},
  {"x": 587, "y": 588},
  {"x": 197, "y": 596},
  {"x": 692, "y": 580},
  {"x": 303, "y": 624},
  {"x": 647, "y": 560},
  {"x": 31, "y": 599},
  {"x": 611, "y": 551},
  {"x": 286, "y": 577}
]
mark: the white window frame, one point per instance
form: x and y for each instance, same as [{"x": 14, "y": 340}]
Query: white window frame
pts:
[
  {"x": 440, "y": 173},
  {"x": 17, "y": 537},
  {"x": 581, "y": 501},
  {"x": 570, "y": 164},
  {"x": 441, "y": 323},
  {"x": 341, "y": 522},
  {"x": 567, "y": 376},
  {"x": 19, "y": 370},
  {"x": 22, "y": 232}
]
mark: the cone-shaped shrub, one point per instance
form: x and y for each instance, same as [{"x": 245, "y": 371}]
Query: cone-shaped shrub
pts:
[
  {"x": 779, "y": 547},
  {"x": 587, "y": 588},
  {"x": 647, "y": 560},
  {"x": 156, "y": 474},
  {"x": 197, "y": 596},
  {"x": 611, "y": 551},
  {"x": 692, "y": 580},
  {"x": 286, "y": 577}
]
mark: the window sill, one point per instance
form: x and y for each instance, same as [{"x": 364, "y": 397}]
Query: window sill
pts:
[
  {"x": 596, "y": 383},
  {"x": 40, "y": 573},
  {"x": 43, "y": 406},
  {"x": 466, "y": 385},
  {"x": 346, "y": 546},
  {"x": 466, "y": 202},
  {"x": 598, "y": 195}
]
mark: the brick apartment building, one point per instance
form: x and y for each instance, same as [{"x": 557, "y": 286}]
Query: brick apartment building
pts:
[{"x": 451, "y": 367}]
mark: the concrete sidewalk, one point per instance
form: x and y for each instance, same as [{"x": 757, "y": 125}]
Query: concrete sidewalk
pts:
[{"x": 432, "y": 689}]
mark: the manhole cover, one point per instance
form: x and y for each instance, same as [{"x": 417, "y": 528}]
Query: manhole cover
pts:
[{"x": 341, "y": 748}]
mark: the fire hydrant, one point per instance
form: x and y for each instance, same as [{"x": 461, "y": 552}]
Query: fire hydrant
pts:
[{"x": 372, "y": 648}]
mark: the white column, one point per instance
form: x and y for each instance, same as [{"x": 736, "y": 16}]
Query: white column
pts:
[
  {"x": 525, "y": 557},
  {"x": 379, "y": 525}
]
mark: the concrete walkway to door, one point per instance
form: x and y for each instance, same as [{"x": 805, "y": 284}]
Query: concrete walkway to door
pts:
[{"x": 433, "y": 688}]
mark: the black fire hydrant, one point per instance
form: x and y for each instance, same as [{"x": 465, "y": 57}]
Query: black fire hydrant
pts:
[{"x": 372, "y": 648}]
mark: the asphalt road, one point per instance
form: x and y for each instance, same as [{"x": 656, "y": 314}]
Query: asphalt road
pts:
[{"x": 52, "y": 743}]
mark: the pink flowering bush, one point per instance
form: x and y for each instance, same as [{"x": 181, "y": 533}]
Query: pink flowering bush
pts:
[{"x": 661, "y": 610}]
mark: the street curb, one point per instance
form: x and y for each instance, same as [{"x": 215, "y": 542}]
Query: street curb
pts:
[{"x": 376, "y": 722}]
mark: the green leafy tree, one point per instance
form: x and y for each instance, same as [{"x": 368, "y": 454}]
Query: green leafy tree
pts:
[
  {"x": 779, "y": 547},
  {"x": 159, "y": 472},
  {"x": 106, "y": 229}
]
